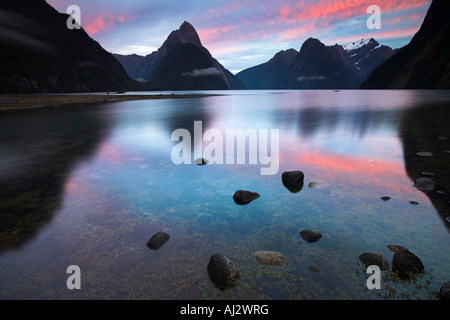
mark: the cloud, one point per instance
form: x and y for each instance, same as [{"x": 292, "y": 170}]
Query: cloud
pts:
[{"x": 203, "y": 72}]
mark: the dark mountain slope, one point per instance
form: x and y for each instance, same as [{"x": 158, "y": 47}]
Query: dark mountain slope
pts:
[
  {"x": 425, "y": 62},
  {"x": 269, "y": 75},
  {"x": 38, "y": 53}
]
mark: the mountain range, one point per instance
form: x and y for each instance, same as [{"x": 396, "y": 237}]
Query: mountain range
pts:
[
  {"x": 39, "y": 54},
  {"x": 181, "y": 63},
  {"x": 317, "y": 66}
]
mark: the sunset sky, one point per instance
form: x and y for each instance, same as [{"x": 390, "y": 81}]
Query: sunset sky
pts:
[{"x": 244, "y": 33}]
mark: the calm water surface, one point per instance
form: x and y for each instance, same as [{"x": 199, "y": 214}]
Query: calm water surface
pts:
[{"x": 89, "y": 185}]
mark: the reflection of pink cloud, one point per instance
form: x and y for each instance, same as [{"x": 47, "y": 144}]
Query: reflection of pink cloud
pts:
[{"x": 382, "y": 175}]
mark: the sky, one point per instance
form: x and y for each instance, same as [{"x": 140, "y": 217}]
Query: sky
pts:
[{"x": 244, "y": 33}]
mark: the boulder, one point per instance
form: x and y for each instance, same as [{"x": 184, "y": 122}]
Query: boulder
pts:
[
  {"x": 406, "y": 264},
  {"x": 310, "y": 235},
  {"x": 221, "y": 271},
  {"x": 370, "y": 258},
  {"x": 157, "y": 240},
  {"x": 243, "y": 197},
  {"x": 293, "y": 180},
  {"x": 444, "y": 292}
]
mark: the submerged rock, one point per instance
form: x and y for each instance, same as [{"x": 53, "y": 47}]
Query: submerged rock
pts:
[
  {"x": 395, "y": 248},
  {"x": 158, "y": 240},
  {"x": 385, "y": 198},
  {"x": 242, "y": 197},
  {"x": 406, "y": 264},
  {"x": 415, "y": 203},
  {"x": 444, "y": 292},
  {"x": 293, "y": 180},
  {"x": 269, "y": 258},
  {"x": 313, "y": 269},
  {"x": 424, "y": 184},
  {"x": 310, "y": 235},
  {"x": 370, "y": 258},
  {"x": 221, "y": 271}
]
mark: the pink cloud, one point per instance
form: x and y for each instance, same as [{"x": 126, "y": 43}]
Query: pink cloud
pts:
[{"x": 97, "y": 24}]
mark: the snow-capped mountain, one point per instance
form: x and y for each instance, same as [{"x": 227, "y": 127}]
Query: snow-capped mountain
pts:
[
  {"x": 366, "y": 55},
  {"x": 356, "y": 45}
]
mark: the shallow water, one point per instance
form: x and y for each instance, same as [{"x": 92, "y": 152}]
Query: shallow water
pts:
[{"x": 89, "y": 185}]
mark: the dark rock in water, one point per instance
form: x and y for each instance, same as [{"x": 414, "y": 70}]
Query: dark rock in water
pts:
[
  {"x": 313, "y": 269},
  {"x": 310, "y": 235},
  {"x": 158, "y": 240},
  {"x": 221, "y": 271},
  {"x": 444, "y": 292},
  {"x": 242, "y": 197},
  {"x": 395, "y": 248},
  {"x": 406, "y": 264},
  {"x": 269, "y": 258},
  {"x": 414, "y": 203},
  {"x": 369, "y": 259},
  {"x": 293, "y": 180},
  {"x": 385, "y": 198},
  {"x": 201, "y": 161},
  {"x": 424, "y": 184}
]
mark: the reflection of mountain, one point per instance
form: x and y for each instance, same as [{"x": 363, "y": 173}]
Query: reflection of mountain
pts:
[
  {"x": 426, "y": 129},
  {"x": 36, "y": 165}
]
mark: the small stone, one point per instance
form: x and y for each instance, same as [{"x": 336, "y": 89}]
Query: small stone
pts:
[
  {"x": 313, "y": 269},
  {"x": 424, "y": 154},
  {"x": 269, "y": 258},
  {"x": 424, "y": 184},
  {"x": 310, "y": 235},
  {"x": 369, "y": 259},
  {"x": 312, "y": 185},
  {"x": 406, "y": 264},
  {"x": 201, "y": 161},
  {"x": 157, "y": 240},
  {"x": 385, "y": 198},
  {"x": 221, "y": 271},
  {"x": 415, "y": 203},
  {"x": 395, "y": 248},
  {"x": 243, "y": 197},
  {"x": 444, "y": 292}
]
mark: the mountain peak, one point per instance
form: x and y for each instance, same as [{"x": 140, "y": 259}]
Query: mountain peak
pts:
[
  {"x": 312, "y": 42},
  {"x": 188, "y": 34}
]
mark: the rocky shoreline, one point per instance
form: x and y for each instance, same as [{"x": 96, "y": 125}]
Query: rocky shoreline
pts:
[{"x": 32, "y": 101}]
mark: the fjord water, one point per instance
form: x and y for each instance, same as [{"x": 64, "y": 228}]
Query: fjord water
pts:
[{"x": 89, "y": 185}]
